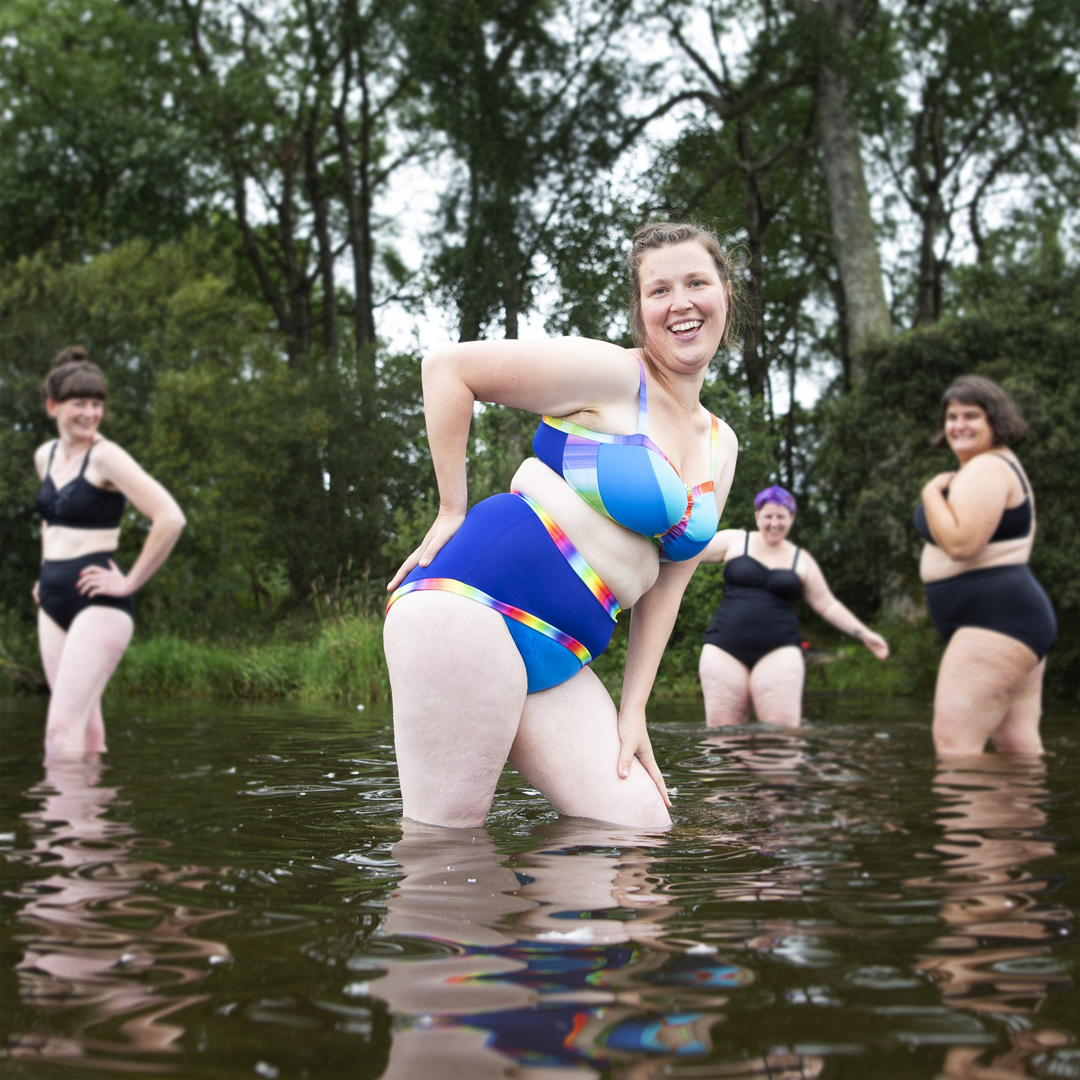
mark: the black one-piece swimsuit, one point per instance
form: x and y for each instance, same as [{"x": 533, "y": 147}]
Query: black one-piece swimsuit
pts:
[{"x": 757, "y": 612}]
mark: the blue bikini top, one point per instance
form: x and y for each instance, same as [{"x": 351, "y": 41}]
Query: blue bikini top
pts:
[
  {"x": 629, "y": 479},
  {"x": 78, "y": 504},
  {"x": 748, "y": 572},
  {"x": 1014, "y": 524}
]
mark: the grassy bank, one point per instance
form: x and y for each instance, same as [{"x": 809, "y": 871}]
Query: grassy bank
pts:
[
  {"x": 342, "y": 660},
  {"x": 335, "y": 661}
]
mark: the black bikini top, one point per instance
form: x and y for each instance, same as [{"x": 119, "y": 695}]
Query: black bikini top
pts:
[
  {"x": 1015, "y": 524},
  {"x": 78, "y": 504},
  {"x": 745, "y": 570}
]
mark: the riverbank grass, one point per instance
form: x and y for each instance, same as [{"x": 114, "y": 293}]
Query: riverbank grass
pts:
[{"x": 343, "y": 661}]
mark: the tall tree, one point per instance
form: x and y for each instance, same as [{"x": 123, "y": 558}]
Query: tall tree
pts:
[
  {"x": 988, "y": 103},
  {"x": 300, "y": 103},
  {"x": 865, "y": 312},
  {"x": 526, "y": 97},
  {"x": 90, "y": 155},
  {"x": 744, "y": 160}
]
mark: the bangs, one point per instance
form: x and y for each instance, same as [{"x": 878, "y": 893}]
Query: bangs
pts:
[{"x": 83, "y": 382}]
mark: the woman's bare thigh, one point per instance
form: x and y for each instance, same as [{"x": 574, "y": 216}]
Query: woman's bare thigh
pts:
[
  {"x": 776, "y": 686},
  {"x": 725, "y": 684},
  {"x": 568, "y": 745},
  {"x": 981, "y": 675},
  {"x": 459, "y": 687}
]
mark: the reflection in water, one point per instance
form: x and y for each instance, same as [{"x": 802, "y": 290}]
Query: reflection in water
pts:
[
  {"x": 830, "y": 902},
  {"x": 550, "y": 962},
  {"x": 995, "y": 957},
  {"x": 98, "y": 953}
]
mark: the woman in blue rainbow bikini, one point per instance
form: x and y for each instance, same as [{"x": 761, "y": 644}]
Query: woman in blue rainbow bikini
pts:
[{"x": 493, "y": 620}]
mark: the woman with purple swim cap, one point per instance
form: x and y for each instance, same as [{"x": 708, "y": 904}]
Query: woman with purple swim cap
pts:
[{"x": 753, "y": 648}]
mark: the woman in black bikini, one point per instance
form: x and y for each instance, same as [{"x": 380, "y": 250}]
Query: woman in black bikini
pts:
[
  {"x": 752, "y": 653},
  {"x": 86, "y": 612},
  {"x": 979, "y": 528}
]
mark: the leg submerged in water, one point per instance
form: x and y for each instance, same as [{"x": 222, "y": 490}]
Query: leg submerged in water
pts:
[
  {"x": 989, "y": 687},
  {"x": 725, "y": 683},
  {"x": 568, "y": 746},
  {"x": 459, "y": 687},
  {"x": 79, "y": 664}
]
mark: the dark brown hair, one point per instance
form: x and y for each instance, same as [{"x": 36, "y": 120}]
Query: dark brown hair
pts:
[
  {"x": 659, "y": 234},
  {"x": 1002, "y": 413},
  {"x": 73, "y": 376}
]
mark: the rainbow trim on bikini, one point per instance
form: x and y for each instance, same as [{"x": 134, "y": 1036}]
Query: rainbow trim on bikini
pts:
[
  {"x": 698, "y": 490},
  {"x": 588, "y": 575},
  {"x": 451, "y": 585}
]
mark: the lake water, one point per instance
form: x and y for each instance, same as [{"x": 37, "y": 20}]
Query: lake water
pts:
[{"x": 234, "y": 894}]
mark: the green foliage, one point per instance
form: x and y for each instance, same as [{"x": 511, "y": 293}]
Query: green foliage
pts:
[
  {"x": 202, "y": 396},
  {"x": 528, "y": 100},
  {"x": 343, "y": 662},
  {"x": 89, "y": 155}
]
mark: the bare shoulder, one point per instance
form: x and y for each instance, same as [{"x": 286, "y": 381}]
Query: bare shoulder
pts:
[
  {"x": 41, "y": 457},
  {"x": 729, "y": 441},
  {"x": 807, "y": 564},
  {"x": 114, "y": 463},
  {"x": 988, "y": 471}
]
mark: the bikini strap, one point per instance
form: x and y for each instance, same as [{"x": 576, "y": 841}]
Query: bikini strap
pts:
[
  {"x": 86, "y": 457},
  {"x": 52, "y": 454},
  {"x": 796, "y": 559},
  {"x": 643, "y": 402},
  {"x": 714, "y": 449},
  {"x": 1023, "y": 482},
  {"x": 746, "y": 546}
]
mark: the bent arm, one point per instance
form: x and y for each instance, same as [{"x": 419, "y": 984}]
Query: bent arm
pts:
[
  {"x": 557, "y": 376},
  {"x": 819, "y": 596},
  {"x": 151, "y": 499},
  {"x": 963, "y": 523}
]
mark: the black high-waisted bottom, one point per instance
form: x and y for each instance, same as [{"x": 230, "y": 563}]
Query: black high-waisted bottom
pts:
[
  {"x": 1007, "y": 599},
  {"x": 62, "y": 601}
]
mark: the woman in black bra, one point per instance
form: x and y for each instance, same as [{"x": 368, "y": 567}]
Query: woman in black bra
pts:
[
  {"x": 86, "y": 612},
  {"x": 979, "y": 528},
  {"x": 752, "y": 653}
]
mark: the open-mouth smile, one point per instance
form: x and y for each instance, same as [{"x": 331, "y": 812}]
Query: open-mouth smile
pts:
[{"x": 686, "y": 328}]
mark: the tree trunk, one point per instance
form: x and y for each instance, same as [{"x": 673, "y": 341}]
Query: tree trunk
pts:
[
  {"x": 755, "y": 365},
  {"x": 868, "y": 319}
]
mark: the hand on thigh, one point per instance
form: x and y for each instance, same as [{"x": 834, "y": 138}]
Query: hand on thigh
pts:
[
  {"x": 568, "y": 747},
  {"x": 725, "y": 683},
  {"x": 776, "y": 686}
]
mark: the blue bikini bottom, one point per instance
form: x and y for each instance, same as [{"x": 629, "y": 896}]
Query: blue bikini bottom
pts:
[{"x": 510, "y": 556}]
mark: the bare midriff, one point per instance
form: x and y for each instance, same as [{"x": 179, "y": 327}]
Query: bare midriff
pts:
[
  {"x": 63, "y": 542},
  {"x": 627, "y": 562},
  {"x": 936, "y": 565}
]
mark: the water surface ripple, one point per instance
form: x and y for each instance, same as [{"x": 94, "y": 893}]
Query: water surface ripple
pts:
[{"x": 233, "y": 893}]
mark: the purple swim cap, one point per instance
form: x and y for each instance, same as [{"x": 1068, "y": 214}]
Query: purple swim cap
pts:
[{"x": 775, "y": 494}]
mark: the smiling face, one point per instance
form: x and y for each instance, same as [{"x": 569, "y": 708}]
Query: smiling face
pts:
[
  {"x": 967, "y": 430},
  {"x": 773, "y": 522},
  {"x": 684, "y": 305},
  {"x": 77, "y": 418}
]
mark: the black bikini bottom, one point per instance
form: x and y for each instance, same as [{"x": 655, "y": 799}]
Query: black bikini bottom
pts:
[
  {"x": 61, "y": 599},
  {"x": 1007, "y": 599}
]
